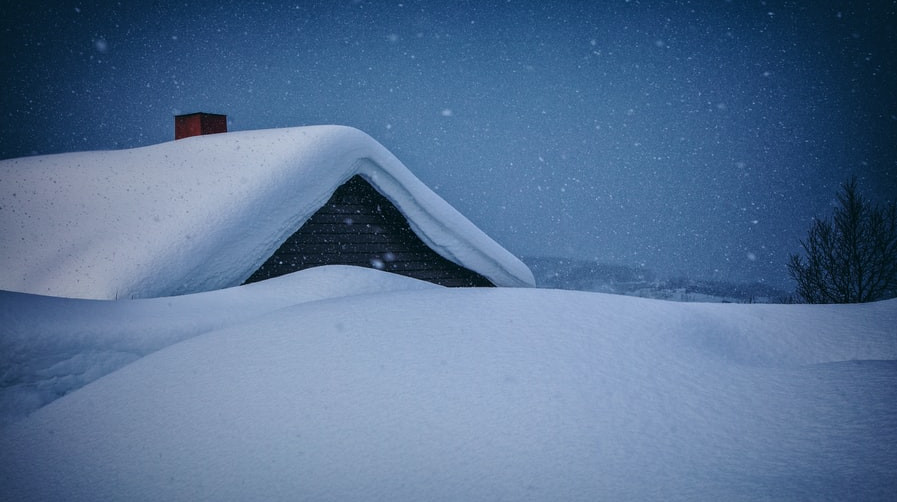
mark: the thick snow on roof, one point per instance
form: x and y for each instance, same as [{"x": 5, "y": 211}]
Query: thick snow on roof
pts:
[
  {"x": 203, "y": 213},
  {"x": 434, "y": 393}
]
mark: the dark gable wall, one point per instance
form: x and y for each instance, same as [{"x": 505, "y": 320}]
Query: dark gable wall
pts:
[{"x": 359, "y": 226}]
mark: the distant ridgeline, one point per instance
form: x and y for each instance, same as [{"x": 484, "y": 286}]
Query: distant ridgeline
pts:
[{"x": 584, "y": 275}]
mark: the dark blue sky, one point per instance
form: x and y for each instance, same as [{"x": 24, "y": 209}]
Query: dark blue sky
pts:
[{"x": 695, "y": 138}]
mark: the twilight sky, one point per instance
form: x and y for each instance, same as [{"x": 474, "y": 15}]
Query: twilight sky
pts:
[{"x": 691, "y": 138}]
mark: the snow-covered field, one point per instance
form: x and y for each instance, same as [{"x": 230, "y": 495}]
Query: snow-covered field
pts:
[
  {"x": 352, "y": 384},
  {"x": 342, "y": 383}
]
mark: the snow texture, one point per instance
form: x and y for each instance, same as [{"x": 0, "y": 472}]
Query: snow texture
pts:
[
  {"x": 203, "y": 213},
  {"x": 408, "y": 391},
  {"x": 51, "y": 346}
]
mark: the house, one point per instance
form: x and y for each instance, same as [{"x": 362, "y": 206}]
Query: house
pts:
[{"x": 214, "y": 211}]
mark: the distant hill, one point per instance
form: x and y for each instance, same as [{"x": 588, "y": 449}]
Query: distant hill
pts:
[{"x": 585, "y": 275}]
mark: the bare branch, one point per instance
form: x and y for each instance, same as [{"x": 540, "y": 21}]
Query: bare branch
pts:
[{"x": 852, "y": 257}]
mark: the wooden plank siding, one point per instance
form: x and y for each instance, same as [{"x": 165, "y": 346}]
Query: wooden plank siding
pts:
[{"x": 359, "y": 226}]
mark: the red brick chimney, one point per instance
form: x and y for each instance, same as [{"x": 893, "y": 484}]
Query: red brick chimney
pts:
[{"x": 195, "y": 124}]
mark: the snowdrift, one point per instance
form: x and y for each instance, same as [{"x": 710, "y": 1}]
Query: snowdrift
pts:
[
  {"x": 468, "y": 394},
  {"x": 51, "y": 346},
  {"x": 203, "y": 213}
]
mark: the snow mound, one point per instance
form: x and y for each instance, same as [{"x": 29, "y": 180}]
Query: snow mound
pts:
[
  {"x": 484, "y": 394},
  {"x": 51, "y": 346},
  {"x": 203, "y": 213}
]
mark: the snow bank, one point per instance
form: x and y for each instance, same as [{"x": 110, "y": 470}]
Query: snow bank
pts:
[
  {"x": 484, "y": 394},
  {"x": 51, "y": 346},
  {"x": 203, "y": 213}
]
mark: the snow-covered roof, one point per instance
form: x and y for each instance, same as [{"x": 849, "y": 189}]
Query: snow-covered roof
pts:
[{"x": 203, "y": 213}]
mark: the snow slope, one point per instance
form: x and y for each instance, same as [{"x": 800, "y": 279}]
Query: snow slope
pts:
[
  {"x": 51, "y": 346},
  {"x": 203, "y": 213},
  {"x": 477, "y": 394}
]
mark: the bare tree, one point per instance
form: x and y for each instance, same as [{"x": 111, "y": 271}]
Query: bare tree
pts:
[{"x": 851, "y": 258}]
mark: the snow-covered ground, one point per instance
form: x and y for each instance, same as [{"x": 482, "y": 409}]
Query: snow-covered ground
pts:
[
  {"x": 352, "y": 384},
  {"x": 51, "y": 346},
  {"x": 343, "y": 383}
]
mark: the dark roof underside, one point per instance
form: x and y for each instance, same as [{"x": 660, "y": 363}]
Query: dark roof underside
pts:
[{"x": 359, "y": 226}]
